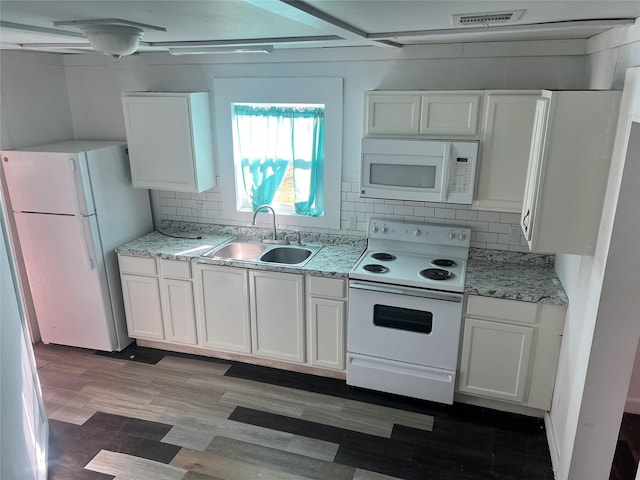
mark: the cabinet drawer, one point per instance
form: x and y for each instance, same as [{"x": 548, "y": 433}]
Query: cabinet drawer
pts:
[
  {"x": 326, "y": 287},
  {"x": 175, "y": 268},
  {"x": 499, "y": 309},
  {"x": 137, "y": 265}
]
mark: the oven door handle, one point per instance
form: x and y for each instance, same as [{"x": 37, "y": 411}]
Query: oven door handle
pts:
[{"x": 414, "y": 292}]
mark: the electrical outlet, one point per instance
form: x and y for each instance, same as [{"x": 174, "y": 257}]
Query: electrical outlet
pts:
[
  {"x": 200, "y": 208},
  {"x": 352, "y": 221},
  {"x": 515, "y": 234}
]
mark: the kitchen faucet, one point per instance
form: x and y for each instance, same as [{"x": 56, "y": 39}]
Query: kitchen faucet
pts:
[{"x": 253, "y": 222}]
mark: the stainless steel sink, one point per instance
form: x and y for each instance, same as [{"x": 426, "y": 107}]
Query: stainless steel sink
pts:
[
  {"x": 287, "y": 255},
  {"x": 237, "y": 251},
  {"x": 246, "y": 250}
]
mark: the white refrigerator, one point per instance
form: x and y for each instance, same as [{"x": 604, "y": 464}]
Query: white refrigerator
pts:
[{"x": 73, "y": 204}]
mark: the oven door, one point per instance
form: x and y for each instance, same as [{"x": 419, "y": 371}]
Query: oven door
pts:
[
  {"x": 405, "y": 324},
  {"x": 403, "y": 340}
]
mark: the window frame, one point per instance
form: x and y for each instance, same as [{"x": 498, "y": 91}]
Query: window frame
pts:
[{"x": 327, "y": 91}]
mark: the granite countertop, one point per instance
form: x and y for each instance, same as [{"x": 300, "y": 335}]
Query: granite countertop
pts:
[
  {"x": 515, "y": 276},
  {"x": 490, "y": 273},
  {"x": 189, "y": 241}
]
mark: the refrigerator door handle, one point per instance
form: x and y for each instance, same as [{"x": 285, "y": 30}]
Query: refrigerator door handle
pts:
[{"x": 86, "y": 237}]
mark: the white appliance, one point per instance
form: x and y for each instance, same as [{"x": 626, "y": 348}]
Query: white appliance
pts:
[
  {"x": 417, "y": 169},
  {"x": 73, "y": 204},
  {"x": 405, "y": 309}
]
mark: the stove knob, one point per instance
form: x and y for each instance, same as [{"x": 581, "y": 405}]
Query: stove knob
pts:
[
  {"x": 375, "y": 229},
  {"x": 384, "y": 230},
  {"x": 461, "y": 236},
  {"x": 452, "y": 235},
  {"x": 417, "y": 233}
]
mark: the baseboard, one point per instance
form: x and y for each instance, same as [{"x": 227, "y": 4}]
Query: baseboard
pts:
[
  {"x": 498, "y": 405},
  {"x": 632, "y": 405},
  {"x": 554, "y": 448},
  {"x": 246, "y": 358}
]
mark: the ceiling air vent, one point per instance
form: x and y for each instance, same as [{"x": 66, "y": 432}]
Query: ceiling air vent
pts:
[{"x": 495, "y": 18}]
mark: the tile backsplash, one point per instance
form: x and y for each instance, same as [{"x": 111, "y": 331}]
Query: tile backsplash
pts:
[{"x": 492, "y": 230}]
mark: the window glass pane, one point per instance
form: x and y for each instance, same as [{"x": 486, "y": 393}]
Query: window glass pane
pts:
[{"x": 279, "y": 157}]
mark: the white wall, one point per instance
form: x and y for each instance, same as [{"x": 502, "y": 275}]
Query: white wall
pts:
[
  {"x": 34, "y": 109},
  {"x": 585, "y": 415},
  {"x": 22, "y": 431},
  {"x": 96, "y": 82},
  {"x": 34, "y": 105}
]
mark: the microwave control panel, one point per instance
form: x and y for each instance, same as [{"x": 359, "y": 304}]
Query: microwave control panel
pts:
[{"x": 460, "y": 176}]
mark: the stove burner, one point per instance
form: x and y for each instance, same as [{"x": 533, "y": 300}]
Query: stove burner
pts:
[
  {"x": 436, "y": 274},
  {"x": 374, "y": 268},
  {"x": 443, "y": 262},
  {"x": 385, "y": 257}
]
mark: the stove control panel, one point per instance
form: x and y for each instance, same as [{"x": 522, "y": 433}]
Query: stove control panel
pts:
[{"x": 426, "y": 233}]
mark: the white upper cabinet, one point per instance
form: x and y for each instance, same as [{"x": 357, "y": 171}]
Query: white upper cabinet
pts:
[
  {"x": 505, "y": 139},
  {"x": 170, "y": 140},
  {"x": 450, "y": 114},
  {"x": 443, "y": 114},
  {"x": 392, "y": 114},
  {"x": 568, "y": 168}
]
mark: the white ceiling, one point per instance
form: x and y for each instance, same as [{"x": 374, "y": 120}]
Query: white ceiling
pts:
[{"x": 28, "y": 24}]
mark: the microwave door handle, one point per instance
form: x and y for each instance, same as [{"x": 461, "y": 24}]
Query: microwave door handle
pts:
[{"x": 444, "y": 190}]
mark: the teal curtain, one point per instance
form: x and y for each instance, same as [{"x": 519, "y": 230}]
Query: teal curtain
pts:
[{"x": 269, "y": 139}]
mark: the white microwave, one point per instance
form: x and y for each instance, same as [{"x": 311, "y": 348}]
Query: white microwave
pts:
[{"x": 423, "y": 170}]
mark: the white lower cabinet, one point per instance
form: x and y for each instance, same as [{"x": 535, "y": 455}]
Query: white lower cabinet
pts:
[
  {"x": 277, "y": 315},
  {"x": 177, "y": 302},
  {"x": 223, "y": 308},
  {"x": 260, "y": 313},
  {"x": 326, "y": 322},
  {"x": 510, "y": 350},
  {"x": 158, "y": 299},
  {"x": 496, "y": 359},
  {"x": 141, "y": 293},
  {"x": 142, "y": 306}
]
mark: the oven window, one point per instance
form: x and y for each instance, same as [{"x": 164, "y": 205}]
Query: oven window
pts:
[
  {"x": 422, "y": 176},
  {"x": 402, "y": 319}
]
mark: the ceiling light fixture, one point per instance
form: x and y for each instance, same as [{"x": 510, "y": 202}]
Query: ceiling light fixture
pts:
[
  {"x": 216, "y": 50},
  {"x": 114, "y": 40},
  {"x": 111, "y": 36}
]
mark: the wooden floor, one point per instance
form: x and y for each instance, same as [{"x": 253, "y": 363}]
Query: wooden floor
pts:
[{"x": 170, "y": 416}]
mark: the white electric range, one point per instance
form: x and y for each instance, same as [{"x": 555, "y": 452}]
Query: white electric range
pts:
[{"x": 405, "y": 309}]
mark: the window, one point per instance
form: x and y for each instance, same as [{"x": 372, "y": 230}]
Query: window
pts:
[
  {"x": 279, "y": 142},
  {"x": 279, "y": 157}
]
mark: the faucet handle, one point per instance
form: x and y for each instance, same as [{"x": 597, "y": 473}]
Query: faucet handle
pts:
[{"x": 298, "y": 239}]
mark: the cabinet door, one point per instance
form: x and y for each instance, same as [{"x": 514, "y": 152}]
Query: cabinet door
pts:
[
  {"x": 142, "y": 306},
  {"x": 223, "y": 308},
  {"x": 532, "y": 184},
  {"x": 392, "y": 115},
  {"x": 277, "y": 315},
  {"x": 327, "y": 333},
  {"x": 178, "y": 311},
  {"x": 450, "y": 114},
  {"x": 505, "y": 141},
  {"x": 495, "y": 359},
  {"x": 160, "y": 142}
]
